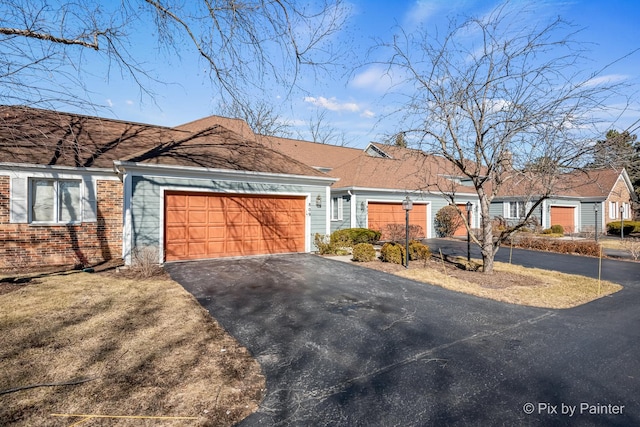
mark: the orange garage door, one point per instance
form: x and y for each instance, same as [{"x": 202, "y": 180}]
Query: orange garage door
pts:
[
  {"x": 563, "y": 216},
  {"x": 202, "y": 225},
  {"x": 462, "y": 230},
  {"x": 380, "y": 214}
]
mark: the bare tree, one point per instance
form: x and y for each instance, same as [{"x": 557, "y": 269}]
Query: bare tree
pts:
[
  {"x": 262, "y": 118},
  {"x": 492, "y": 95},
  {"x": 44, "y": 46},
  {"x": 324, "y": 133}
]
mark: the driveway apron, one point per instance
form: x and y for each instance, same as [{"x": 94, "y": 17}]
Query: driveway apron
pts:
[{"x": 348, "y": 346}]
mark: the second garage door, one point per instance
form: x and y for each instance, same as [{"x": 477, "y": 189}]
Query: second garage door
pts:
[
  {"x": 381, "y": 214},
  {"x": 564, "y": 216},
  {"x": 202, "y": 225}
]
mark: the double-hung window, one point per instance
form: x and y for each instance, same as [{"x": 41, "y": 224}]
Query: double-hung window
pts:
[
  {"x": 613, "y": 210},
  {"x": 55, "y": 201},
  {"x": 336, "y": 209},
  {"x": 516, "y": 210}
]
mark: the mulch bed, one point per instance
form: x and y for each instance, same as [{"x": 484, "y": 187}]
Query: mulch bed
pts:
[{"x": 495, "y": 280}]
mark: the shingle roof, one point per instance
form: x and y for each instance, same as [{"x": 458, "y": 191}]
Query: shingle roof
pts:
[
  {"x": 312, "y": 153},
  {"x": 35, "y": 136}
]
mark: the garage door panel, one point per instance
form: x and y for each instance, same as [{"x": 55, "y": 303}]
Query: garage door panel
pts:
[
  {"x": 215, "y": 232},
  {"x": 177, "y": 201},
  {"x": 177, "y": 250},
  {"x": 564, "y": 216},
  {"x": 215, "y": 225},
  {"x": 381, "y": 214},
  {"x": 176, "y": 233},
  {"x": 197, "y": 201},
  {"x": 197, "y": 249}
]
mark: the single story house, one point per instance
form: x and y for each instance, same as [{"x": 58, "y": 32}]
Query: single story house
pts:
[
  {"x": 76, "y": 189},
  {"x": 582, "y": 201},
  {"x": 81, "y": 190}
]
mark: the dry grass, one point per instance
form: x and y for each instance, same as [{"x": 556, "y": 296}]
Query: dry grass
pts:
[
  {"x": 145, "y": 347},
  {"x": 509, "y": 283}
]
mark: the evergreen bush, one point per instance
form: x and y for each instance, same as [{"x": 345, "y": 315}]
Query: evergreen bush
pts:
[
  {"x": 418, "y": 251},
  {"x": 557, "y": 229},
  {"x": 364, "y": 252},
  {"x": 393, "y": 253}
]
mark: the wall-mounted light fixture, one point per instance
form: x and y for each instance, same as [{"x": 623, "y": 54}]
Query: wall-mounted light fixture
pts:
[
  {"x": 318, "y": 201},
  {"x": 362, "y": 206}
]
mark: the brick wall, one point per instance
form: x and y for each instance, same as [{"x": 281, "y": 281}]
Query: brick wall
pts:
[
  {"x": 620, "y": 194},
  {"x": 24, "y": 245}
]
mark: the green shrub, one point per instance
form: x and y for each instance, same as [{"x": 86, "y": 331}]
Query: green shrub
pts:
[
  {"x": 349, "y": 237},
  {"x": 447, "y": 221},
  {"x": 547, "y": 231},
  {"x": 364, "y": 252},
  {"x": 418, "y": 251},
  {"x": 393, "y": 253},
  {"x": 323, "y": 244},
  {"x": 629, "y": 227},
  {"x": 557, "y": 229}
]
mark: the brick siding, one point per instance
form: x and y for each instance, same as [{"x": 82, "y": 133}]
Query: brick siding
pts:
[
  {"x": 90, "y": 243},
  {"x": 620, "y": 194}
]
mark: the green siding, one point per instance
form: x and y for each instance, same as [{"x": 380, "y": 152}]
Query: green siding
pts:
[
  {"x": 146, "y": 200},
  {"x": 346, "y": 214}
]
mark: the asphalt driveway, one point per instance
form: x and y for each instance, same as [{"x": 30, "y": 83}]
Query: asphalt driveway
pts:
[{"x": 344, "y": 345}]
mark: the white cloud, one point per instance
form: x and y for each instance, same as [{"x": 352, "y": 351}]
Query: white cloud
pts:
[
  {"x": 109, "y": 102},
  {"x": 421, "y": 11},
  {"x": 367, "y": 114},
  {"x": 375, "y": 78},
  {"x": 608, "y": 79},
  {"x": 129, "y": 102},
  {"x": 332, "y": 104}
]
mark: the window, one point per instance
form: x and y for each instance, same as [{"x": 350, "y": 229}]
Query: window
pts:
[
  {"x": 55, "y": 201},
  {"x": 627, "y": 211},
  {"x": 336, "y": 209},
  {"x": 516, "y": 210},
  {"x": 613, "y": 210}
]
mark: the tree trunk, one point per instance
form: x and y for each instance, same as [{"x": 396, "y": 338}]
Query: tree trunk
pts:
[{"x": 487, "y": 247}]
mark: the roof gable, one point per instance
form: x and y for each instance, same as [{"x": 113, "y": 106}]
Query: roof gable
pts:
[{"x": 45, "y": 137}]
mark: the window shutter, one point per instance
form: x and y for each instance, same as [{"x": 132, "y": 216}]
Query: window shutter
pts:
[
  {"x": 19, "y": 204},
  {"x": 89, "y": 206}
]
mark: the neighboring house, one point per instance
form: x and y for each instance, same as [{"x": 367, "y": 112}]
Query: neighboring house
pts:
[
  {"x": 372, "y": 183},
  {"x": 578, "y": 199},
  {"x": 82, "y": 190}
]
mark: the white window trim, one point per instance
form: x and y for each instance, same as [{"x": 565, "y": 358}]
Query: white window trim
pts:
[
  {"x": 340, "y": 209},
  {"x": 613, "y": 210},
  {"x": 56, "y": 208},
  {"x": 507, "y": 209}
]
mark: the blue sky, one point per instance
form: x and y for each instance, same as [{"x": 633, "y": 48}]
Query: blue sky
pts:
[{"x": 352, "y": 103}]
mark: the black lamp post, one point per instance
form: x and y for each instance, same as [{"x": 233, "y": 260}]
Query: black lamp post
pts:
[
  {"x": 469, "y": 207},
  {"x": 621, "y": 221},
  {"x": 595, "y": 209},
  {"x": 407, "y": 205}
]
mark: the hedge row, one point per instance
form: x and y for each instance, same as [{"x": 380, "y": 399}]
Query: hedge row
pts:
[
  {"x": 580, "y": 247},
  {"x": 629, "y": 227},
  {"x": 396, "y": 253}
]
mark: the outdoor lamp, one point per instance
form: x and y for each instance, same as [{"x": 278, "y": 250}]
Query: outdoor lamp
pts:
[
  {"x": 595, "y": 210},
  {"x": 469, "y": 207},
  {"x": 318, "y": 201},
  {"x": 407, "y": 205},
  {"x": 622, "y": 221}
]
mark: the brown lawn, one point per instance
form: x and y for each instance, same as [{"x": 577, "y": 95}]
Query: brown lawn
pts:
[
  {"x": 123, "y": 347},
  {"x": 508, "y": 283}
]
